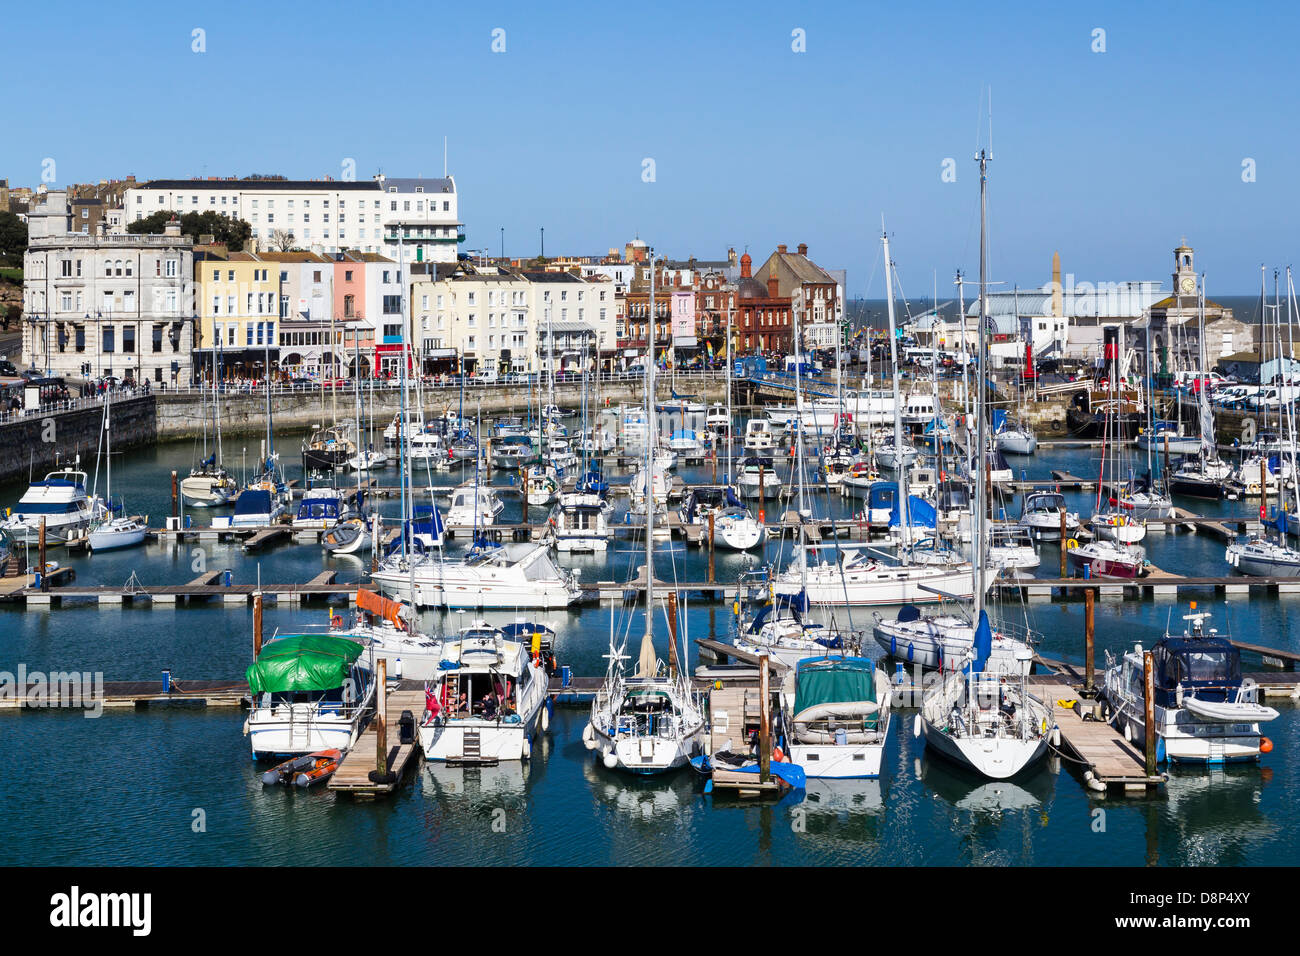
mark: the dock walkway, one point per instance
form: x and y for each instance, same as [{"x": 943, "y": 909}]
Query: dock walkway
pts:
[{"x": 353, "y": 774}]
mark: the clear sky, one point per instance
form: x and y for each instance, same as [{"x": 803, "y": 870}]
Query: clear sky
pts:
[{"x": 1110, "y": 157}]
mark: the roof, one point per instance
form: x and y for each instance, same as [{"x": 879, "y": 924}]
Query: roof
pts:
[
  {"x": 791, "y": 269},
  {"x": 1114, "y": 301},
  {"x": 419, "y": 184},
  {"x": 299, "y": 185}
]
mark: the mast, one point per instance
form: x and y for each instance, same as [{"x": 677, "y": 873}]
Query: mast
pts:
[
  {"x": 898, "y": 406},
  {"x": 651, "y": 432},
  {"x": 730, "y": 436},
  {"x": 977, "y": 541}
]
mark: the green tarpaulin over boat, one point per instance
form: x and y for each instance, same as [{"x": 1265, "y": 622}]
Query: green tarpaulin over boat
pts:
[
  {"x": 835, "y": 681},
  {"x": 301, "y": 663}
]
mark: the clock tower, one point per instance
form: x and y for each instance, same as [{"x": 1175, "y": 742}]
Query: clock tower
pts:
[{"x": 1184, "y": 273}]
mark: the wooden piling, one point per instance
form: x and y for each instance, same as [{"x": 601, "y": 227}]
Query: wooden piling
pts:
[
  {"x": 1263, "y": 488},
  {"x": 1062, "y": 542},
  {"x": 523, "y": 491},
  {"x": 711, "y": 516},
  {"x": 1149, "y": 693},
  {"x": 257, "y": 624},
  {"x": 1089, "y": 645},
  {"x": 45, "y": 577},
  {"x": 764, "y": 721},
  {"x": 761, "y": 517},
  {"x": 176, "y": 511},
  {"x": 381, "y": 715},
  {"x": 672, "y": 632}
]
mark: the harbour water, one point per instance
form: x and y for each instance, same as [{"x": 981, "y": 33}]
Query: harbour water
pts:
[{"x": 133, "y": 787}]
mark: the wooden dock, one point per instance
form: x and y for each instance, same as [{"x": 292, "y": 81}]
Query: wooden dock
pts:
[
  {"x": 1098, "y": 749},
  {"x": 353, "y": 774},
  {"x": 130, "y": 694}
]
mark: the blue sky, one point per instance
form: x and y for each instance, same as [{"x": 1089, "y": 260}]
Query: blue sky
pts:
[{"x": 1110, "y": 157}]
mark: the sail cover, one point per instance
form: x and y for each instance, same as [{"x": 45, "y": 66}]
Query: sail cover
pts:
[
  {"x": 845, "y": 680},
  {"x": 302, "y": 662}
]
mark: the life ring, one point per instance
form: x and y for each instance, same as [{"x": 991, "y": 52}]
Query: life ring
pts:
[
  {"x": 1056, "y": 424},
  {"x": 1071, "y": 544}
]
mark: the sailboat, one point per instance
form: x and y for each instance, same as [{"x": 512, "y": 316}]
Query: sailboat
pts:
[
  {"x": 980, "y": 717},
  {"x": 209, "y": 485},
  {"x": 649, "y": 722},
  {"x": 1205, "y": 475},
  {"x": 114, "y": 532},
  {"x": 855, "y": 578}
]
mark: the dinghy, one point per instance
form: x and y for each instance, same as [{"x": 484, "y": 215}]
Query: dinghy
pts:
[{"x": 305, "y": 770}]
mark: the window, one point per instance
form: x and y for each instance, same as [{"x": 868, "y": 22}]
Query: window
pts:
[
  {"x": 157, "y": 338},
  {"x": 108, "y": 339},
  {"x": 128, "y": 338},
  {"x": 80, "y": 338},
  {"x": 347, "y": 275}
]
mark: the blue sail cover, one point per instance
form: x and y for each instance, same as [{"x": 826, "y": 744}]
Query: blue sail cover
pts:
[
  {"x": 920, "y": 513},
  {"x": 797, "y": 604},
  {"x": 882, "y": 494},
  {"x": 999, "y": 419},
  {"x": 983, "y": 641}
]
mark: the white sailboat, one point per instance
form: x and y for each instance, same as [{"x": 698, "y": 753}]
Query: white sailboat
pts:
[
  {"x": 979, "y": 716},
  {"x": 122, "y": 531}
]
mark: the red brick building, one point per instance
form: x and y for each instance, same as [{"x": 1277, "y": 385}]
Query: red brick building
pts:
[{"x": 763, "y": 316}]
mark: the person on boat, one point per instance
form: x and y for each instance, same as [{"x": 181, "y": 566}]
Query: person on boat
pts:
[
  {"x": 431, "y": 704},
  {"x": 490, "y": 705}
]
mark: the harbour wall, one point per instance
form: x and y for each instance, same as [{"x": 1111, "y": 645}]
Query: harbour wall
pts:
[
  {"x": 181, "y": 416},
  {"x": 34, "y": 444}
]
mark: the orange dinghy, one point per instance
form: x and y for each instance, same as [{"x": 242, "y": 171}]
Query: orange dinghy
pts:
[{"x": 305, "y": 770}]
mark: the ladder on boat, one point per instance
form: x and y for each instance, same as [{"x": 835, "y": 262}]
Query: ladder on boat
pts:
[{"x": 471, "y": 748}]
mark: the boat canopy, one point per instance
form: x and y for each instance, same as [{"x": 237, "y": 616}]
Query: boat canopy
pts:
[
  {"x": 839, "y": 680},
  {"x": 302, "y": 662},
  {"x": 920, "y": 513},
  {"x": 1209, "y": 665},
  {"x": 797, "y": 603},
  {"x": 253, "y": 501}
]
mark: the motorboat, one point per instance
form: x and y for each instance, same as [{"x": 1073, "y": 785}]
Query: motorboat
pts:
[
  {"x": 61, "y": 502},
  {"x": 1166, "y": 437},
  {"x": 320, "y": 508},
  {"x": 1205, "y": 711},
  {"x": 487, "y": 577},
  {"x": 489, "y": 700},
  {"x": 839, "y": 717},
  {"x": 761, "y": 435},
  {"x": 308, "y": 694},
  {"x": 859, "y": 477},
  {"x": 541, "y": 485},
  {"x": 473, "y": 505},
  {"x": 1012, "y": 550},
  {"x": 733, "y": 526},
  {"x": 757, "y": 478},
  {"x": 855, "y": 579},
  {"x": 579, "y": 523},
  {"x": 1041, "y": 516},
  {"x": 304, "y": 771},
  {"x": 685, "y": 441},
  {"x": 512, "y": 451},
  {"x": 349, "y": 536},
  {"x": 368, "y": 460}
]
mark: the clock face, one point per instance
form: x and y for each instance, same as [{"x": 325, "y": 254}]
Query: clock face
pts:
[{"x": 1189, "y": 285}]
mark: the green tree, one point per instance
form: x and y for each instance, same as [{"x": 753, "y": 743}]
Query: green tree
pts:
[
  {"x": 233, "y": 232},
  {"x": 13, "y": 239}
]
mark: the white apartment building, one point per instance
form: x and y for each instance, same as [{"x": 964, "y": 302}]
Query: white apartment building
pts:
[
  {"x": 493, "y": 318},
  {"x": 325, "y": 216},
  {"x": 106, "y": 304}
]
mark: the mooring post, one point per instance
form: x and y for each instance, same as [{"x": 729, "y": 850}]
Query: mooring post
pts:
[
  {"x": 761, "y": 517},
  {"x": 1062, "y": 542},
  {"x": 1089, "y": 647},
  {"x": 523, "y": 491},
  {"x": 1149, "y": 692},
  {"x": 176, "y": 510},
  {"x": 672, "y": 632},
  {"x": 381, "y": 716},
  {"x": 1263, "y": 488},
  {"x": 45, "y": 577},
  {"x": 257, "y": 624},
  {"x": 710, "y": 547},
  {"x": 764, "y": 720}
]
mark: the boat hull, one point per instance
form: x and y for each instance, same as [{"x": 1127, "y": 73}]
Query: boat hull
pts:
[{"x": 997, "y": 758}]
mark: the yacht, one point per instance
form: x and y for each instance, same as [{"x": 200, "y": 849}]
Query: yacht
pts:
[
  {"x": 840, "y": 717},
  {"x": 61, "y": 500},
  {"x": 781, "y": 629},
  {"x": 488, "y": 701},
  {"x": 1041, "y": 516},
  {"x": 473, "y": 505},
  {"x": 1015, "y": 438},
  {"x": 579, "y": 523},
  {"x": 1104, "y": 558},
  {"x": 208, "y": 485},
  {"x": 859, "y": 580},
  {"x": 512, "y": 452},
  {"x": 328, "y": 449},
  {"x": 1145, "y": 501},
  {"x": 541, "y": 485},
  {"x": 945, "y": 642},
  {"x": 308, "y": 693},
  {"x": 387, "y": 631},
  {"x": 893, "y": 456},
  {"x": 1260, "y": 557},
  {"x": 256, "y": 508},
  {"x": 733, "y": 526},
  {"x": 1012, "y": 549},
  {"x": 369, "y": 460},
  {"x": 757, "y": 478},
  {"x": 487, "y": 577},
  {"x": 761, "y": 435},
  {"x": 1202, "y": 477},
  {"x": 1205, "y": 710}
]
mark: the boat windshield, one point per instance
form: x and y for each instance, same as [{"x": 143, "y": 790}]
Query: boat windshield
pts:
[{"x": 1219, "y": 667}]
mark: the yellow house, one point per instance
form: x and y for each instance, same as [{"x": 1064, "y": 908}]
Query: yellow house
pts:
[{"x": 239, "y": 307}]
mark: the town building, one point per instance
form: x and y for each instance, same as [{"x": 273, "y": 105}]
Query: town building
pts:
[
  {"x": 106, "y": 304},
  {"x": 416, "y": 217},
  {"x": 817, "y": 295}
]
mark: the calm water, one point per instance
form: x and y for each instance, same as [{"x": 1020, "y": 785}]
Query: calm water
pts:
[{"x": 124, "y": 788}]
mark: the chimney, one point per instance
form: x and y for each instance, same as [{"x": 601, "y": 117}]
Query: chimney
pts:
[
  {"x": 772, "y": 287},
  {"x": 731, "y": 256},
  {"x": 1056, "y": 284},
  {"x": 803, "y": 248},
  {"x": 781, "y": 248}
]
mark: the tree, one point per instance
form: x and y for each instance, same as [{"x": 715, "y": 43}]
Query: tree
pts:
[
  {"x": 233, "y": 232},
  {"x": 282, "y": 240},
  {"x": 13, "y": 239}
]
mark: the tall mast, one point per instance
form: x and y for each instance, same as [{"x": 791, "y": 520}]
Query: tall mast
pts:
[
  {"x": 730, "y": 437},
  {"x": 898, "y": 421},
  {"x": 651, "y": 431},
  {"x": 977, "y": 546}
]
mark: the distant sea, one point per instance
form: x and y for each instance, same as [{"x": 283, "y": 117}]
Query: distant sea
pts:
[{"x": 874, "y": 312}]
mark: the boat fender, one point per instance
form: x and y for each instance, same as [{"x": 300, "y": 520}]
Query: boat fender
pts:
[
  {"x": 1093, "y": 783},
  {"x": 1056, "y": 737},
  {"x": 893, "y": 646},
  {"x": 1160, "y": 750},
  {"x": 528, "y": 748},
  {"x": 778, "y": 755},
  {"x": 385, "y": 778},
  {"x": 545, "y": 719},
  {"x": 1265, "y": 745},
  {"x": 589, "y": 737},
  {"x": 1128, "y": 731},
  {"x": 916, "y": 726},
  {"x": 909, "y": 652},
  {"x": 611, "y": 760}
]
